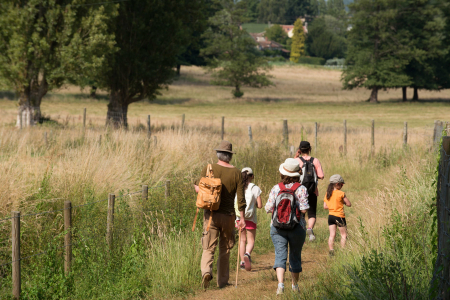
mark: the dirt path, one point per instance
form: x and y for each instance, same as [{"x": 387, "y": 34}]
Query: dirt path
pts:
[{"x": 261, "y": 283}]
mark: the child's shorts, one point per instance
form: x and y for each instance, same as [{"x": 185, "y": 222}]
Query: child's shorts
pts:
[
  {"x": 248, "y": 224},
  {"x": 333, "y": 220}
]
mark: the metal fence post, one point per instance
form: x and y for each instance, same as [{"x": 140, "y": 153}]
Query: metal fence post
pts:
[
  {"x": 285, "y": 133},
  {"x": 373, "y": 137},
  {"x": 345, "y": 137},
  {"x": 182, "y": 121},
  {"x": 315, "y": 134},
  {"x": 84, "y": 118},
  {"x": 15, "y": 234},
  {"x": 68, "y": 236},
  {"x": 250, "y": 135},
  {"x": 145, "y": 192},
  {"x": 110, "y": 221},
  {"x": 223, "y": 127},
  {"x": 405, "y": 135},
  {"x": 149, "y": 130}
]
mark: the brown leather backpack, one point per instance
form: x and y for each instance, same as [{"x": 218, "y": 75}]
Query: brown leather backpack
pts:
[{"x": 208, "y": 196}]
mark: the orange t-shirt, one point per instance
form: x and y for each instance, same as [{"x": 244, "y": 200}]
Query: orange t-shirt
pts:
[{"x": 336, "y": 204}]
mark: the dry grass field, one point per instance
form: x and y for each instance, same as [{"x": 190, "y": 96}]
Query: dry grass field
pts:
[{"x": 74, "y": 163}]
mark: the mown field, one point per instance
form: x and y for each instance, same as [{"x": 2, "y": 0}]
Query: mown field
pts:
[{"x": 391, "y": 189}]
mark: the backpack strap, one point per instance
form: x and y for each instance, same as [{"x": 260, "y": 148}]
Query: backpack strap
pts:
[
  {"x": 282, "y": 187},
  {"x": 295, "y": 186},
  {"x": 195, "y": 220},
  {"x": 302, "y": 159},
  {"x": 312, "y": 160}
]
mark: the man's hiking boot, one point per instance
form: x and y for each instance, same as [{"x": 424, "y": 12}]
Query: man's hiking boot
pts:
[
  {"x": 331, "y": 253},
  {"x": 242, "y": 265},
  {"x": 280, "y": 290},
  {"x": 205, "y": 280},
  {"x": 310, "y": 232},
  {"x": 295, "y": 288},
  {"x": 248, "y": 262}
]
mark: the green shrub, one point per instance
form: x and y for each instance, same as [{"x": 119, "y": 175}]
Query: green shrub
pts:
[{"x": 307, "y": 60}]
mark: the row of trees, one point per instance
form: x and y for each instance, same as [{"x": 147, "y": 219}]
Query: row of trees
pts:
[
  {"x": 131, "y": 48},
  {"x": 398, "y": 44}
]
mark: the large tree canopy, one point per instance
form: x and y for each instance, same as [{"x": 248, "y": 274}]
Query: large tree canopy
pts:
[
  {"x": 233, "y": 57},
  {"x": 44, "y": 43},
  {"x": 378, "y": 47},
  {"x": 327, "y": 37},
  {"x": 151, "y": 34}
]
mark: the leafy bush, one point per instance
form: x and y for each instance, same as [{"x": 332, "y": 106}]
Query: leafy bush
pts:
[{"x": 307, "y": 60}]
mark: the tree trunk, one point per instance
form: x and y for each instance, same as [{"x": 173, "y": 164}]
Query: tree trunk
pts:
[
  {"x": 404, "y": 94},
  {"x": 374, "y": 95},
  {"x": 93, "y": 93},
  {"x": 29, "y": 111},
  {"x": 416, "y": 94},
  {"x": 117, "y": 110},
  {"x": 178, "y": 69}
]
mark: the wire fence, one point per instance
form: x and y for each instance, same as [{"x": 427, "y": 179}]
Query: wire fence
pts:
[{"x": 44, "y": 236}]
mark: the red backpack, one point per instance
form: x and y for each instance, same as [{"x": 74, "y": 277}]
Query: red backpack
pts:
[{"x": 286, "y": 213}]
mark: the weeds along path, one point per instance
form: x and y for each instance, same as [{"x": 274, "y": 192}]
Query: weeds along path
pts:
[{"x": 261, "y": 282}]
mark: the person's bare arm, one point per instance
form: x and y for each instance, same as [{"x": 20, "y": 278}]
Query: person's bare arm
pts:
[
  {"x": 196, "y": 188},
  {"x": 325, "y": 206},
  {"x": 347, "y": 202},
  {"x": 242, "y": 220},
  {"x": 259, "y": 202},
  {"x": 304, "y": 211}
]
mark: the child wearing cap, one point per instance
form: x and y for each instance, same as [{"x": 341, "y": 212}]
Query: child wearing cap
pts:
[
  {"x": 334, "y": 201},
  {"x": 248, "y": 234}
]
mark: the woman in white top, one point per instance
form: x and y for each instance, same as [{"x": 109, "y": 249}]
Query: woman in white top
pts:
[{"x": 253, "y": 199}]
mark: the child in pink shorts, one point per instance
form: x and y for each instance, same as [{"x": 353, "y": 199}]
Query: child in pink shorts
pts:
[{"x": 253, "y": 199}]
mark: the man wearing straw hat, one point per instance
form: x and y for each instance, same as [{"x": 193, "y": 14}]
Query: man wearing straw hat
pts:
[{"x": 221, "y": 230}]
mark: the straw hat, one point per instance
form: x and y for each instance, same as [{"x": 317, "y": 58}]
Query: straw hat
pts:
[
  {"x": 290, "y": 168},
  {"x": 249, "y": 171}
]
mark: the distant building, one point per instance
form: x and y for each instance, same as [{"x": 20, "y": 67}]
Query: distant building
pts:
[
  {"x": 265, "y": 44},
  {"x": 289, "y": 29}
]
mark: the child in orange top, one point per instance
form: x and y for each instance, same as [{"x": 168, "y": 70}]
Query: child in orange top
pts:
[{"x": 334, "y": 201}]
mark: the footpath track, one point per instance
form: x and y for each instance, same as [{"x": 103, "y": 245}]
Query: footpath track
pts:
[{"x": 261, "y": 282}]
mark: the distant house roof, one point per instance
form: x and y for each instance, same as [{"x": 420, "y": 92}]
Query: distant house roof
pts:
[
  {"x": 289, "y": 29},
  {"x": 259, "y": 37}
]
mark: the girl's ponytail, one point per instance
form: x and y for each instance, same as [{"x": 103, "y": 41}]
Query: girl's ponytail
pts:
[
  {"x": 245, "y": 178},
  {"x": 330, "y": 190}
]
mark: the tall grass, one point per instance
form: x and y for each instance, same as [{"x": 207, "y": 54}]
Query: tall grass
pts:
[{"x": 155, "y": 254}]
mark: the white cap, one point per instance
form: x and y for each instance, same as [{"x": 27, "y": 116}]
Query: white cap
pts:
[
  {"x": 290, "y": 168},
  {"x": 249, "y": 171}
]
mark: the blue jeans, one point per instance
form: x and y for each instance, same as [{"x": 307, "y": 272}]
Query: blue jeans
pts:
[{"x": 295, "y": 238}]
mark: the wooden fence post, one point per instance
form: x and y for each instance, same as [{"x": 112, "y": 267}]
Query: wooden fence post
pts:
[
  {"x": 84, "y": 118},
  {"x": 345, "y": 137},
  {"x": 437, "y": 132},
  {"x": 405, "y": 135},
  {"x": 167, "y": 191},
  {"x": 315, "y": 134},
  {"x": 292, "y": 151},
  {"x": 373, "y": 137},
  {"x": 182, "y": 121},
  {"x": 149, "y": 130},
  {"x": 223, "y": 127},
  {"x": 441, "y": 274},
  {"x": 250, "y": 135},
  {"x": 21, "y": 120},
  {"x": 285, "y": 133},
  {"x": 100, "y": 140},
  {"x": 15, "y": 234},
  {"x": 110, "y": 221},
  {"x": 45, "y": 139},
  {"x": 155, "y": 140},
  {"x": 68, "y": 236},
  {"x": 145, "y": 192}
]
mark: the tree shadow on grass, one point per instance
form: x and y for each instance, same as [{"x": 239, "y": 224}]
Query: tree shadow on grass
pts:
[
  {"x": 268, "y": 99},
  {"x": 188, "y": 80},
  {"x": 170, "y": 101},
  {"x": 7, "y": 95},
  {"x": 431, "y": 100}
]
